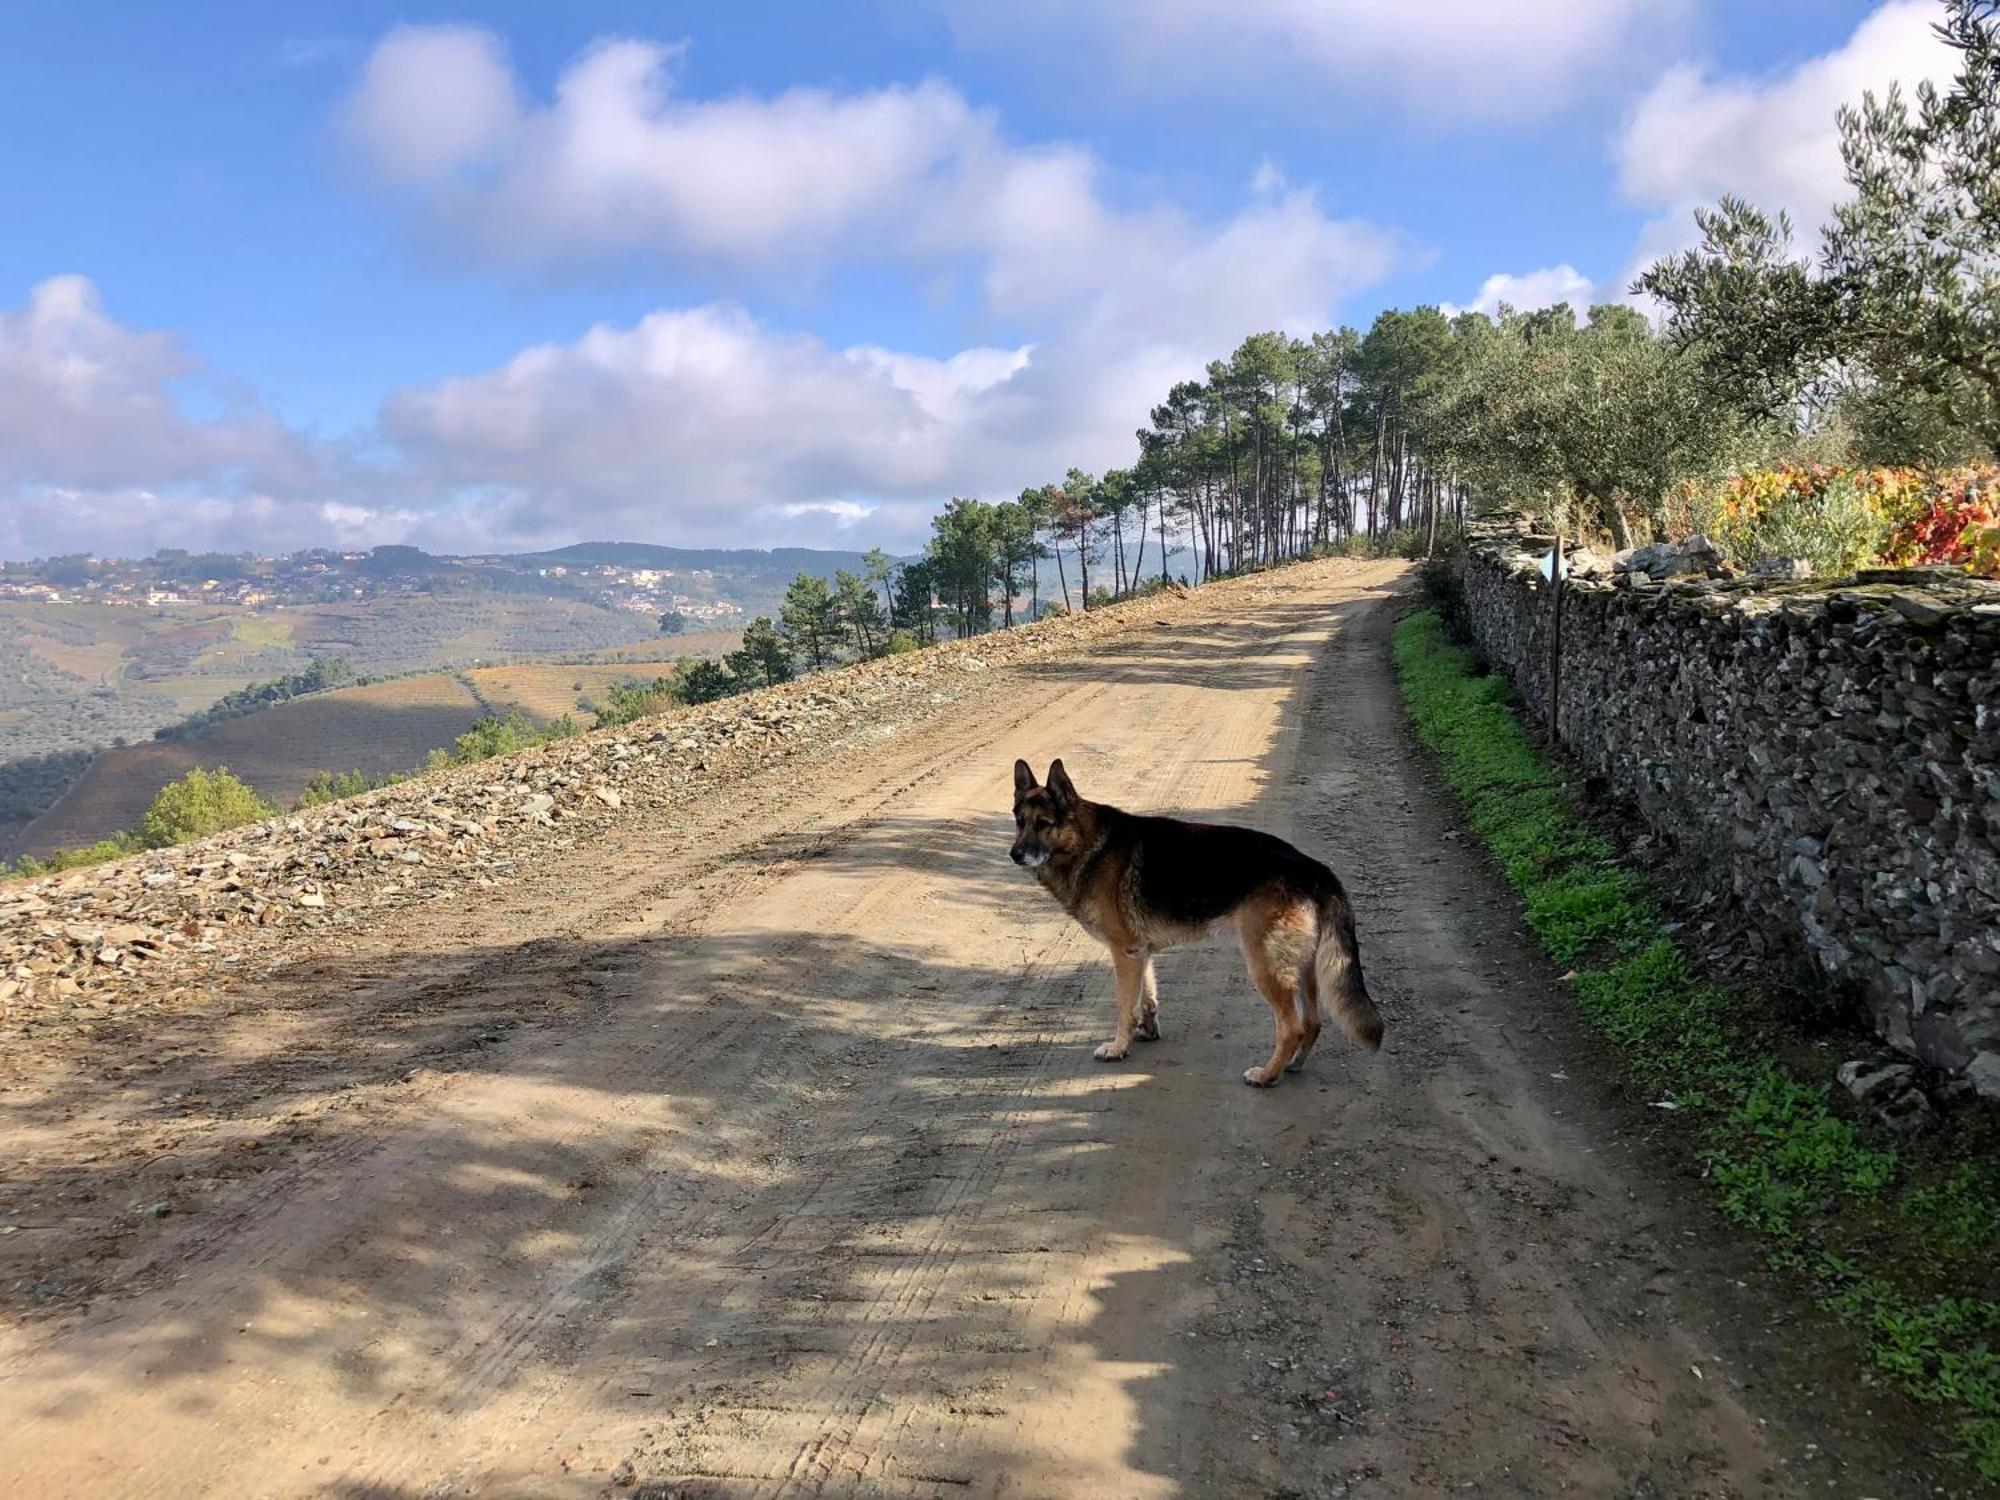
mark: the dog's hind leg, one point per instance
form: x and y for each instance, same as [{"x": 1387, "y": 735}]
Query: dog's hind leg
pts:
[
  {"x": 1149, "y": 1004},
  {"x": 1276, "y": 940},
  {"x": 1306, "y": 998},
  {"x": 1129, "y": 968}
]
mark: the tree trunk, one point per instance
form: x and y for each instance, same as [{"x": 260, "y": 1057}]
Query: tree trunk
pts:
[
  {"x": 1339, "y": 456},
  {"x": 1398, "y": 479},
  {"x": 1375, "y": 471},
  {"x": 1318, "y": 528},
  {"x": 1614, "y": 521},
  {"x": 1139, "y": 552}
]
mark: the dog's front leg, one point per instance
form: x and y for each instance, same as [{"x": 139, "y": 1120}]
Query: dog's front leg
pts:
[
  {"x": 1149, "y": 1003},
  {"x": 1130, "y": 970}
]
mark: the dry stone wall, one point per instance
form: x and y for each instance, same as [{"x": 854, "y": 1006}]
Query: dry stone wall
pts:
[{"x": 1832, "y": 748}]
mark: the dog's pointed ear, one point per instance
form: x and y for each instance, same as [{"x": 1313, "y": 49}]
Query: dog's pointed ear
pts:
[
  {"x": 1024, "y": 778},
  {"x": 1060, "y": 784}
]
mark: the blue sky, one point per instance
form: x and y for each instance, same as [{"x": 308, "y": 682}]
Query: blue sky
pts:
[{"x": 500, "y": 275}]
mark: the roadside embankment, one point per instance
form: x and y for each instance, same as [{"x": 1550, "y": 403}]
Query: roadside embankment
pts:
[{"x": 147, "y": 929}]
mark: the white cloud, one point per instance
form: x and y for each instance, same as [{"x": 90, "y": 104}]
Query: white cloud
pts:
[
  {"x": 99, "y": 453},
  {"x": 350, "y": 525},
  {"x": 695, "y": 423},
  {"x": 1531, "y": 290},
  {"x": 1697, "y": 135},
  {"x": 432, "y": 101},
  {"x": 687, "y": 424},
  {"x": 312, "y": 51},
  {"x": 128, "y": 521},
  {"x": 1446, "y": 61},
  {"x": 703, "y": 425},
  {"x": 844, "y": 513},
  {"x": 88, "y": 404},
  {"x": 618, "y": 163}
]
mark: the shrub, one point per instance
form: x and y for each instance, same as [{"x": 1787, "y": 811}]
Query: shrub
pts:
[
  {"x": 1843, "y": 519},
  {"x": 1692, "y": 507},
  {"x": 699, "y": 680},
  {"x": 1956, "y": 519},
  {"x": 1837, "y": 519},
  {"x": 201, "y": 803},
  {"x": 636, "y": 700},
  {"x": 1901, "y": 1244},
  {"x": 1404, "y": 541},
  {"x": 116, "y": 847},
  {"x": 487, "y": 738},
  {"x": 319, "y": 677},
  {"x": 331, "y": 786},
  {"x": 492, "y": 736}
]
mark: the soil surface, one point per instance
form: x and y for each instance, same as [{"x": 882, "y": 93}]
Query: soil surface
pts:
[{"x": 756, "y": 1148}]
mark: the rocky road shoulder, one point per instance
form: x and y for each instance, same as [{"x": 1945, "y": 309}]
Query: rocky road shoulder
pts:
[{"x": 157, "y": 928}]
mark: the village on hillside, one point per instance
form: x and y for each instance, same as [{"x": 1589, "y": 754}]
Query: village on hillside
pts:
[{"x": 325, "y": 576}]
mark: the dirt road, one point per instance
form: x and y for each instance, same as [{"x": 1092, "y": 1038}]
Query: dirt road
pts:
[{"x": 763, "y": 1153}]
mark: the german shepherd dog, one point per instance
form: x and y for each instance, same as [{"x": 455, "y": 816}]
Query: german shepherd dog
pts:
[{"x": 1141, "y": 884}]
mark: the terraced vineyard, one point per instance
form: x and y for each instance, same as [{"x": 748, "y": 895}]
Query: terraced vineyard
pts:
[
  {"x": 549, "y": 690},
  {"x": 77, "y": 678},
  {"x": 377, "y": 729}
]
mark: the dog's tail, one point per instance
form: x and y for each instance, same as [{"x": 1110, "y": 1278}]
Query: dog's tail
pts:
[{"x": 1337, "y": 971}]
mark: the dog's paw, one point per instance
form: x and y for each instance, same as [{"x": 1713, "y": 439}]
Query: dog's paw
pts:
[
  {"x": 1110, "y": 1052},
  {"x": 1259, "y": 1078},
  {"x": 1149, "y": 1030}
]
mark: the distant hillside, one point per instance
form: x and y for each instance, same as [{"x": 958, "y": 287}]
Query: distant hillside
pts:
[
  {"x": 377, "y": 729},
  {"x": 785, "y": 563},
  {"x": 436, "y": 630},
  {"x": 122, "y": 656},
  {"x": 75, "y": 676},
  {"x": 548, "y": 691}
]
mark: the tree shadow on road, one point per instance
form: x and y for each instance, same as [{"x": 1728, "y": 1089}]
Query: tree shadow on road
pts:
[
  {"x": 1234, "y": 656},
  {"x": 825, "y": 1165},
  {"x": 804, "y": 1188}
]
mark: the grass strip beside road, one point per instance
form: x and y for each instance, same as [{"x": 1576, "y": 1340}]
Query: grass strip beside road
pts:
[{"x": 1900, "y": 1240}]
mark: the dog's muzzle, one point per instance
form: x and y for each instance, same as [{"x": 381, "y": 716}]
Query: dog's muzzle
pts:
[{"x": 1031, "y": 859}]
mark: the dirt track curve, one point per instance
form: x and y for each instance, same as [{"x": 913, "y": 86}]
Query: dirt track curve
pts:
[{"x": 764, "y": 1153}]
